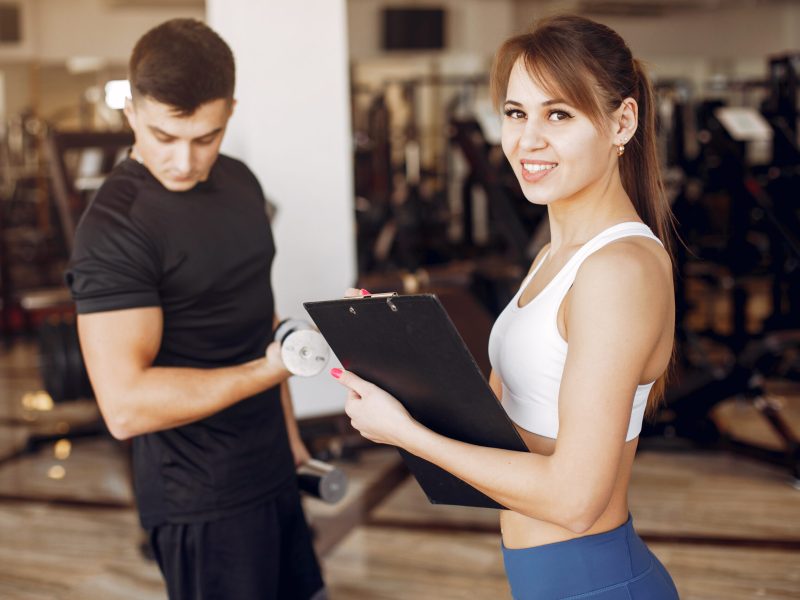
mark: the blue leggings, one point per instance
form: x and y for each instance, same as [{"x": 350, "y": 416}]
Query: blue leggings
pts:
[{"x": 614, "y": 565}]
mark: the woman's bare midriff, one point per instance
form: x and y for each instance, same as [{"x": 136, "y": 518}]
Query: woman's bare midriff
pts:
[{"x": 520, "y": 531}]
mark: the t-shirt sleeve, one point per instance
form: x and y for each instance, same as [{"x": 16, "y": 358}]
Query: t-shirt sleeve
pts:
[{"x": 114, "y": 263}]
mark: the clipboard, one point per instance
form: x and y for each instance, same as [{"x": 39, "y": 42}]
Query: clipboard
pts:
[{"x": 408, "y": 346}]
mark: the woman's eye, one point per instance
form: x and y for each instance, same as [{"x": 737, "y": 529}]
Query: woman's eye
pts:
[
  {"x": 514, "y": 113},
  {"x": 559, "y": 115}
]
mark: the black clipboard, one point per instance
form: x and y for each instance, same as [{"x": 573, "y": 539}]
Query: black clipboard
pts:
[{"x": 408, "y": 346}]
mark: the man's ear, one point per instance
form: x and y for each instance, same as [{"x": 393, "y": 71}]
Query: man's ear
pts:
[{"x": 129, "y": 110}]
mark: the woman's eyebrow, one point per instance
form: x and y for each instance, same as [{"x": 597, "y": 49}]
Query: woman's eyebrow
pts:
[{"x": 545, "y": 103}]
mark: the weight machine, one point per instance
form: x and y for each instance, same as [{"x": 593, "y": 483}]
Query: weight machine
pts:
[{"x": 760, "y": 240}]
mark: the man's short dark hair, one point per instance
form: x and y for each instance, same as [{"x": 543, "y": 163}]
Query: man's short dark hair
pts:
[{"x": 182, "y": 63}]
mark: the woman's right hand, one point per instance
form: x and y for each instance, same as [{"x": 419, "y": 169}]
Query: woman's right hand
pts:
[{"x": 373, "y": 412}]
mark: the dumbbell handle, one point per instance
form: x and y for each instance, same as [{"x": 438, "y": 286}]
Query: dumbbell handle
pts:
[{"x": 322, "y": 480}]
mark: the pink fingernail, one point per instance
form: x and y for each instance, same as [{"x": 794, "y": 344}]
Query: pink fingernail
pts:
[
  {"x": 365, "y": 292},
  {"x": 336, "y": 373}
]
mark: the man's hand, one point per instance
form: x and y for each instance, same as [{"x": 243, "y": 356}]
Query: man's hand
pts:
[
  {"x": 299, "y": 451},
  {"x": 275, "y": 360}
]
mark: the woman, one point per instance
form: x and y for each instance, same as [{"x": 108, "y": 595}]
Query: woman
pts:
[{"x": 579, "y": 354}]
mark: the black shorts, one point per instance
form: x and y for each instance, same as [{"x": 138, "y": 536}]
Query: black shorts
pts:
[{"x": 261, "y": 554}]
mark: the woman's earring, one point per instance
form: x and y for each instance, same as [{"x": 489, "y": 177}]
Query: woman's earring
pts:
[{"x": 621, "y": 147}]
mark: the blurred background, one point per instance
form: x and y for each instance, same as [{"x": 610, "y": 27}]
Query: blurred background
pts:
[{"x": 369, "y": 126}]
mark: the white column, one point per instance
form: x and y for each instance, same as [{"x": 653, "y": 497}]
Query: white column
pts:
[
  {"x": 292, "y": 127},
  {"x": 2, "y": 101}
]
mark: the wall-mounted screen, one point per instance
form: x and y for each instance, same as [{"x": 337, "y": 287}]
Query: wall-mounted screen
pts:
[{"x": 413, "y": 29}]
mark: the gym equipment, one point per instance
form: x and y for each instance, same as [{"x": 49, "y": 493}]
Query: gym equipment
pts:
[
  {"x": 57, "y": 175},
  {"x": 72, "y": 194},
  {"x": 698, "y": 389},
  {"x": 303, "y": 349},
  {"x": 740, "y": 218},
  {"x": 429, "y": 188},
  {"x": 61, "y": 363},
  {"x": 781, "y": 108},
  {"x": 467, "y": 135},
  {"x": 322, "y": 480}
]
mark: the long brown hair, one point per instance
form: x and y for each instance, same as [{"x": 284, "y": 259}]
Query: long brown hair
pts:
[{"x": 591, "y": 67}]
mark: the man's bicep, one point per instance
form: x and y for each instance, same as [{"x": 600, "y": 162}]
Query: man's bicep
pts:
[{"x": 118, "y": 346}]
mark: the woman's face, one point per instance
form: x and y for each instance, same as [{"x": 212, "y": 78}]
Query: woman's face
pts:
[{"x": 555, "y": 150}]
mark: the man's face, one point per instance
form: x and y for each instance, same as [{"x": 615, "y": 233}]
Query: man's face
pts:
[{"x": 178, "y": 150}]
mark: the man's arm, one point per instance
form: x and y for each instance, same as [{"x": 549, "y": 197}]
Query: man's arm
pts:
[
  {"x": 136, "y": 398},
  {"x": 299, "y": 450}
]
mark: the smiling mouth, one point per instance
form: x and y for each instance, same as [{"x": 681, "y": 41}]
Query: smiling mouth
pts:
[{"x": 537, "y": 168}]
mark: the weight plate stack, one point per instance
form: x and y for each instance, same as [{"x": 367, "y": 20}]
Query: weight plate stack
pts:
[{"x": 61, "y": 363}]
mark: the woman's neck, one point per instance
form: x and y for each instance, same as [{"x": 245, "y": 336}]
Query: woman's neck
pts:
[{"x": 576, "y": 220}]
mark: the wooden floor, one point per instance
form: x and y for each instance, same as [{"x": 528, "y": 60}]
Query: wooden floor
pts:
[{"x": 726, "y": 527}]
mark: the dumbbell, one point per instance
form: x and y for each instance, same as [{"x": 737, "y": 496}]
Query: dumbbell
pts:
[
  {"x": 60, "y": 361},
  {"x": 322, "y": 480},
  {"x": 303, "y": 349}
]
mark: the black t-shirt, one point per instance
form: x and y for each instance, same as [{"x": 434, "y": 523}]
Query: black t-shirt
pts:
[{"x": 204, "y": 256}]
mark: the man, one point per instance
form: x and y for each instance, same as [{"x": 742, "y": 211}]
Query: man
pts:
[{"x": 171, "y": 278}]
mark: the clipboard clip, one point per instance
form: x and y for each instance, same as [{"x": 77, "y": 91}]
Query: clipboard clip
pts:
[
  {"x": 388, "y": 295},
  {"x": 381, "y": 295}
]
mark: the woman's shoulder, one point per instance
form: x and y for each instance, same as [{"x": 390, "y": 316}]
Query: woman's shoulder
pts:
[
  {"x": 638, "y": 266},
  {"x": 635, "y": 256},
  {"x": 623, "y": 284}
]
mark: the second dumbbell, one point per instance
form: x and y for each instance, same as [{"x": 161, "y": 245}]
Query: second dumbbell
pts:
[{"x": 303, "y": 349}]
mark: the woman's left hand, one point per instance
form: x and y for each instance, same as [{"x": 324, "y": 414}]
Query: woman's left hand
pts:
[{"x": 376, "y": 414}]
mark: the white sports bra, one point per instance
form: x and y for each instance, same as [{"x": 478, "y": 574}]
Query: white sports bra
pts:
[{"x": 527, "y": 350}]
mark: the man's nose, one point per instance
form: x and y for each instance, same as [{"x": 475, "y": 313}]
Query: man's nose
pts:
[{"x": 182, "y": 159}]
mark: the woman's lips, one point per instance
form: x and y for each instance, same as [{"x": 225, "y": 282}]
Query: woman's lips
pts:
[{"x": 536, "y": 170}]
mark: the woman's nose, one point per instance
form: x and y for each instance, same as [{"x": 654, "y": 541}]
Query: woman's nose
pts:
[{"x": 531, "y": 138}]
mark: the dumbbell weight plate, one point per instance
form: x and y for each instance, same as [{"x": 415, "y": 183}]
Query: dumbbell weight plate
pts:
[
  {"x": 61, "y": 363},
  {"x": 73, "y": 361},
  {"x": 305, "y": 352},
  {"x": 52, "y": 356},
  {"x": 79, "y": 380},
  {"x": 322, "y": 481}
]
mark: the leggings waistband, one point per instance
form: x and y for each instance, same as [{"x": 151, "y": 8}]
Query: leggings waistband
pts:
[{"x": 580, "y": 565}]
